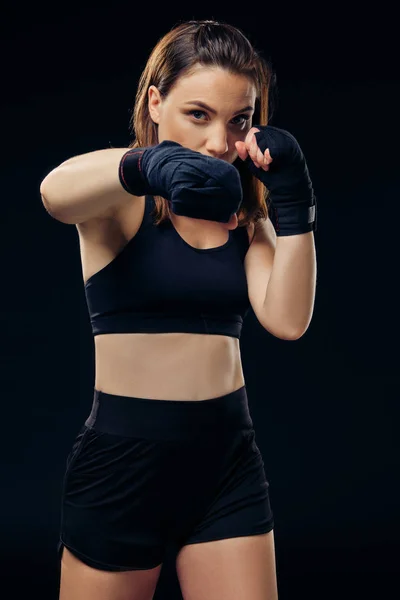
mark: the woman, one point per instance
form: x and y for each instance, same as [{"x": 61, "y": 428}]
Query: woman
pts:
[{"x": 168, "y": 452}]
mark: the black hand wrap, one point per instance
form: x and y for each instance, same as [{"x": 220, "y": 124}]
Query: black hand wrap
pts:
[
  {"x": 198, "y": 186},
  {"x": 292, "y": 203}
]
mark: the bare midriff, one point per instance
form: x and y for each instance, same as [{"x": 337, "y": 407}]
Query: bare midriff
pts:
[{"x": 168, "y": 366}]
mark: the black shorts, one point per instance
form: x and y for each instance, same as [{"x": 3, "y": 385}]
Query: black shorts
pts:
[{"x": 144, "y": 474}]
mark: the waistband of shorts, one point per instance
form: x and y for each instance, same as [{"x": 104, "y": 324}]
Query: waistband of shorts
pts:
[{"x": 169, "y": 419}]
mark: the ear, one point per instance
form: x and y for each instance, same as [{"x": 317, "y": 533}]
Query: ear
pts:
[{"x": 154, "y": 103}]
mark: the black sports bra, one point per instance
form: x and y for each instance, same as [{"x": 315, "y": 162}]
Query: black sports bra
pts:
[{"x": 158, "y": 283}]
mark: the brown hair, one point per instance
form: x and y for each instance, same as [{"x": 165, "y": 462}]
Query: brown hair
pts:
[{"x": 208, "y": 43}]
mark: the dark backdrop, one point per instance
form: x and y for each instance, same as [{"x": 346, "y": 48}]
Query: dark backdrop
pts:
[{"x": 325, "y": 407}]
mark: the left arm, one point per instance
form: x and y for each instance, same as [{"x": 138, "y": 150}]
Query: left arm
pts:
[
  {"x": 281, "y": 280},
  {"x": 289, "y": 299},
  {"x": 284, "y": 274}
]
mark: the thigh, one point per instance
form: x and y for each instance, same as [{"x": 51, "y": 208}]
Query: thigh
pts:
[
  {"x": 80, "y": 581},
  {"x": 235, "y": 568},
  {"x": 240, "y": 505},
  {"x": 112, "y": 515}
]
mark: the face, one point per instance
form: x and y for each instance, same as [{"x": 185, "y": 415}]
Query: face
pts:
[{"x": 211, "y": 130}]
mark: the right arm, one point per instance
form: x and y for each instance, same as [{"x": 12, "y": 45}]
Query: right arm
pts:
[{"x": 84, "y": 187}]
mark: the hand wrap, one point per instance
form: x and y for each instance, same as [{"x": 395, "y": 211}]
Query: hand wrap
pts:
[
  {"x": 198, "y": 186},
  {"x": 292, "y": 204}
]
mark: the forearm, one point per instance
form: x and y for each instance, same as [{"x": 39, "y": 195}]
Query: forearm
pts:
[
  {"x": 84, "y": 186},
  {"x": 290, "y": 295}
]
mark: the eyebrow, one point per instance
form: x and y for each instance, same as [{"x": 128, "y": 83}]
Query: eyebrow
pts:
[{"x": 204, "y": 105}]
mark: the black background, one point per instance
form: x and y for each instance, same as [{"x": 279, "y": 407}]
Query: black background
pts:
[{"x": 325, "y": 407}]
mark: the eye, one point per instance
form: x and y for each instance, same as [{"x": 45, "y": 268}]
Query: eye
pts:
[
  {"x": 198, "y": 112},
  {"x": 244, "y": 117}
]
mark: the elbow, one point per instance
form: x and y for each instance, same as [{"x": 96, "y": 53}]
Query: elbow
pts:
[
  {"x": 56, "y": 214},
  {"x": 289, "y": 335},
  {"x": 292, "y": 337},
  {"x": 48, "y": 194},
  {"x": 46, "y": 186},
  {"x": 46, "y": 204},
  {"x": 51, "y": 189},
  {"x": 45, "y": 194},
  {"x": 295, "y": 335}
]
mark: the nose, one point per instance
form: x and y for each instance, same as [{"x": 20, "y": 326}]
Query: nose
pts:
[{"x": 217, "y": 144}]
